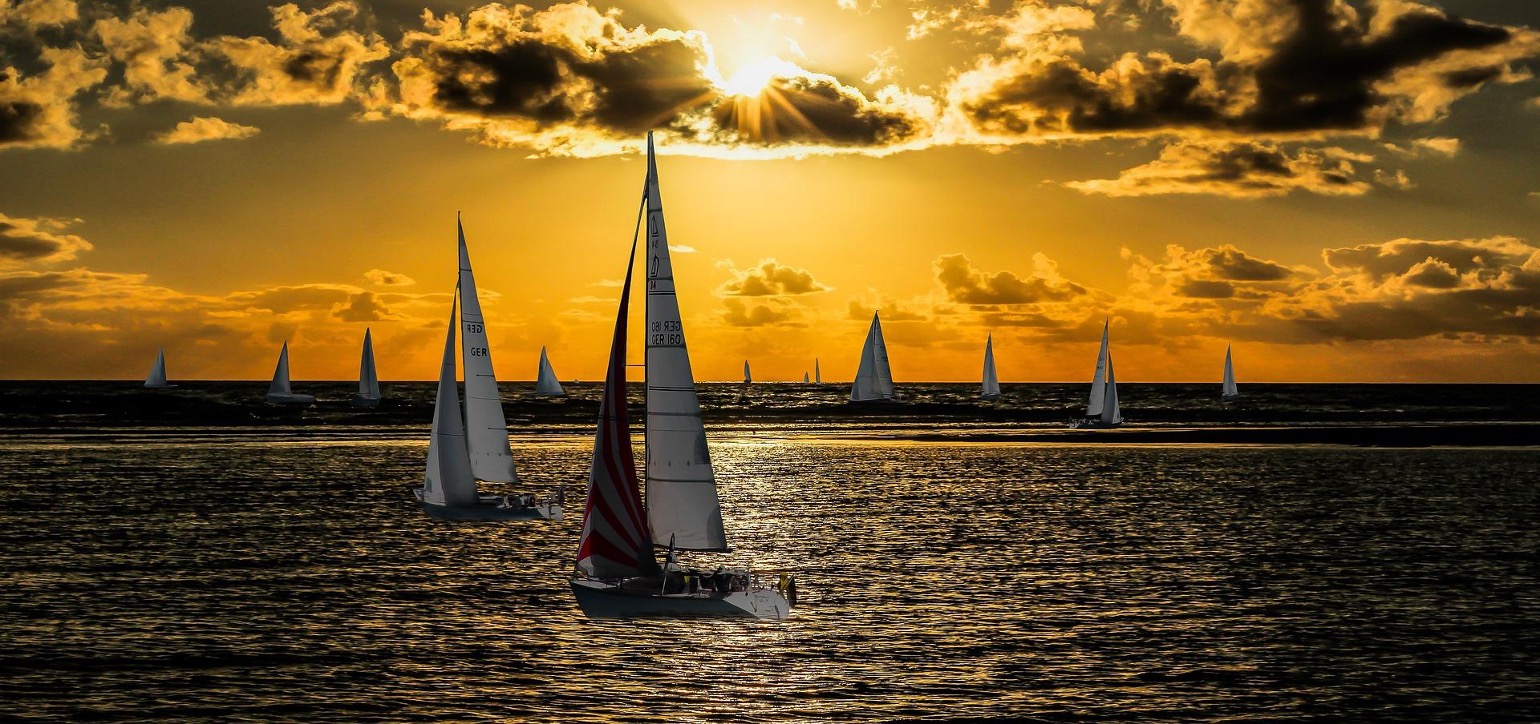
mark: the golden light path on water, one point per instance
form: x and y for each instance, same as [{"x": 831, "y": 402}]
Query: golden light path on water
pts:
[{"x": 282, "y": 576}]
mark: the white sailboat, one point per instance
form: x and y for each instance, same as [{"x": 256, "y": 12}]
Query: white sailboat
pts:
[
  {"x": 991, "y": 380},
  {"x": 804, "y": 378},
  {"x": 279, "y": 392},
  {"x": 1229, "y": 391},
  {"x": 1102, "y": 408},
  {"x": 874, "y": 379},
  {"x": 368, "y": 380},
  {"x": 817, "y": 373},
  {"x": 748, "y": 379},
  {"x": 157, "y": 377},
  {"x": 545, "y": 379},
  {"x": 617, "y": 573},
  {"x": 477, "y": 449}
]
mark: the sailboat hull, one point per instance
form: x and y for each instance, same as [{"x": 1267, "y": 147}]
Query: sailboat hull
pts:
[
  {"x": 1229, "y": 398},
  {"x": 491, "y": 512},
  {"x": 292, "y": 400},
  {"x": 601, "y": 599},
  {"x": 1094, "y": 423},
  {"x": 360, "y": 401}
]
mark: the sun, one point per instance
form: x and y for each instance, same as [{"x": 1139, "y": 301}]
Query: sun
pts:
[{"x": 754, "y": 78}]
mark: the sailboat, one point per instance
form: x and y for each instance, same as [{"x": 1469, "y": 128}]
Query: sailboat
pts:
[
  {"x": 617, "y": 573},
  {"x": 874, "y": 379},
  {"x": 1102, "y": 408},
  {"x": 157, "y": 378},
  {"x": 817, "y": 373},
  {"x": 1229, "y": 391},
  {"x": 545, "y": 379},
  {"x": 279, "y": 392},
  {"x": 991, "y": 380},
  {"x": 368, "y": 380},
  {"x": 460, "y": 453},
  {"x": 804, "y": 378},
  {"x": 748, "y": 379}
]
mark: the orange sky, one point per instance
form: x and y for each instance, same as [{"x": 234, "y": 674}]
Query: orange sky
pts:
[{"x": 1340, "y": 190}]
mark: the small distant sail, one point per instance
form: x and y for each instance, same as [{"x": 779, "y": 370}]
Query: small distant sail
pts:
[
  {"x": 545, "y": 380},
  {"x": 280, "y": 385},
  {"x": 747, "y": 378},
  {"x": 817, "y": 373},
  {"x": 448, "y": 479},
  {"x": 804, "y": 378},
  {"x": 368, "y": 378},
  {"x": 1099, "y": 379},
  {"x": 991, "y": 380},
  {"x": 1229, "y": 391},
  {"x": 157, "y": 378},
  {"x": 874, "y": 378}
]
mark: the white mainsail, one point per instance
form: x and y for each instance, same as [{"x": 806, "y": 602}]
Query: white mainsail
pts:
[
  {"x": 682, "y": 506},
  {"x": 991, "y": 380},
  {"x": 368, "y": 379},
  {"x": 1099, "y": 380},
  {"x": 817, "y": 373},
  {"x": 1229, "y": 390},
  {"x": 280, "y": 385},
  {"x": 448, "y": 479},
  {"x": 486, "y": 429},
  {"x": 157, "y": 377},
  {"x": 747, "y": 378},
  {"x": 545, "y": 379},
  {"x": 804, "y": 378},
  {"x": 874, "y": 378}
]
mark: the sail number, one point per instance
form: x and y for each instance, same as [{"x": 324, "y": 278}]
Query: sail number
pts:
[
  {"x": 477, "y": 351},
  {"x": 667, "y": 332},
  {"x": 473, "y": 328}
]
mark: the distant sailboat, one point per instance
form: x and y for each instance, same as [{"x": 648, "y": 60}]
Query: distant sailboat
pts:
[
  {"x": 748, "y": 379},
  {"x": 874, "y": 379},
  {"x": 545, "y": 380},
  {"x": 817, "y": 373},
  {"x": 279, "y": 392},
  {"x": 991, "y": 380},
  {"x": 157, "y": 378},
  {"x": 617, "y": 574},
  {"x": 459, "y": 453},
  {"x": 804, "y": 378},
  {"x": 1102, "y": 408},
  {"x": 368, "y": 380},
  {"x": 1229, "y": 391}
]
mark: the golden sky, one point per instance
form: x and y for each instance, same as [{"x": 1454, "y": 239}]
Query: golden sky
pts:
[{"x": 1342, "y": 190}]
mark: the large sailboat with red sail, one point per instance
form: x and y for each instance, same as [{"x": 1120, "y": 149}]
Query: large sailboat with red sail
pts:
[{"x": 618, "y": 573}]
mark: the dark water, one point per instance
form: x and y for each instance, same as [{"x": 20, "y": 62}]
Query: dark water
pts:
[{"x": 267, "y": 573}]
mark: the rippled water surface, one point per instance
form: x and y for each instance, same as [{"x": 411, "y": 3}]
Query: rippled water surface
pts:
[{"x": 293, "y": 579}]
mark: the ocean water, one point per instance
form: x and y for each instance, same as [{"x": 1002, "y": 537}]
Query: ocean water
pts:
[{"x": 280, "y": 571}]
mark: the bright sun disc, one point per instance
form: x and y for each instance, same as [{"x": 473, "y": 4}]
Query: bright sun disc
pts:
[{"x": 754, "y": 78}]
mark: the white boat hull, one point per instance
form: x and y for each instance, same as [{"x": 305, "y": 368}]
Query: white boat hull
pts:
[{"x": 601, "y": 599}]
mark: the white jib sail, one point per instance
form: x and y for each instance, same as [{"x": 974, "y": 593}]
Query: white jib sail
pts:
[
  {"x": 486, "y": 429},
  {"x": 1093, "y": 407},
  {"x": 368, "y": 379},
  {"x": 157, "y": 377},
  {"x": 747, "y": 378},
  {"x": 280, "y": 385},
  {"x": 448, "y": 479},
  {"x": 545, "y": 379},
  {"x": 874, "y": 379},
  {"x": 1229, "y": 389},
  {"x": 681, "y": 487},
  {"x": 1110, "y": 414},
  {"x": 817, "y": 373},
  {"x": 804, "y": 378},
  {"x": 991, "y": 380}
]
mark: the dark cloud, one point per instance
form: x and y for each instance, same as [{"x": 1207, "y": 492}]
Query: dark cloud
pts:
[
  {"x": 1393, "y": 258},
  {"x": 1330, "y": 69},
  {"x": 380, "y": 277},
  {"x": 31, "y": 241},
  {"x": 966, "y": 285},
  {"x": 803, "y": 109},
  {"x": 1204, "y": 289},
  {"x": 739, "y": 314},
  {"x": 771, "y": 279},
  {"x": 1237, "y": 170},
  {"x": 282, "y": 300},
  {"x": 364, "y": 307}
]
